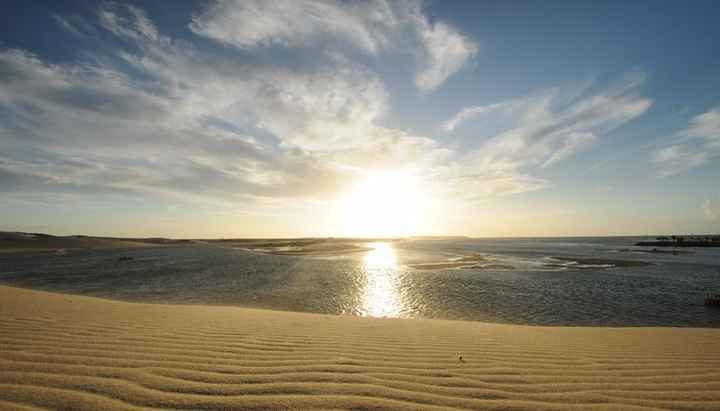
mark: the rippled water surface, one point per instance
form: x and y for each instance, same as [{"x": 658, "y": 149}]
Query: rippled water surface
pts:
[{"x": 520, "y": 280}]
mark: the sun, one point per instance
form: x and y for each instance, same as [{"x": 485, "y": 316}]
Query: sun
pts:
[{"x": 384, "y": 204}]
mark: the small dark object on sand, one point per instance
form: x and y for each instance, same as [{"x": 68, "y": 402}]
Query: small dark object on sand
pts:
[{"x": 460, "y": 358}]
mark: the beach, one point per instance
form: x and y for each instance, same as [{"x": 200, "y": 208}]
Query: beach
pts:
[
  {"x": 359, "y": 205},
  {"x": 60, "y": 351}
]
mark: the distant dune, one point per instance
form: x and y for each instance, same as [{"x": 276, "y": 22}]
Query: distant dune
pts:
[
  {"x": 16, "y": 241},
  {"x": 69, "y": 352}
]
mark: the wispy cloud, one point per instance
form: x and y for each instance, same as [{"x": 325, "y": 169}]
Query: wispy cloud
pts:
[
  {"x": 127, "y": 21},
  {"x": 258, "y": 23},
  {"x": 545, "y": 129},
  {"x": 66, "y": 24},
  {"x": 230, "y": 132},
  {"x": 376, "y": 27},
  {"x": 469, "y": 113},
  {"x": 160, "y": 117},
  {"x": 677, "y": 159},
  {"x": 445, "y": 52},
  {"x": 711, "y": 209},
  {"x": 691, "y": 147}
]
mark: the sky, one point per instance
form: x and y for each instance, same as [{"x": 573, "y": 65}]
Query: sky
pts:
[{"x": 222, "y": 118}]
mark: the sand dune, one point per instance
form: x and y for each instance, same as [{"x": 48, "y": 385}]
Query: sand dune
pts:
[
  {"x": 68, "y": 352},
  {"x": 14, "y": 241}
]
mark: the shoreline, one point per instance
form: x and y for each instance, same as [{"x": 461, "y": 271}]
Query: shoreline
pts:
[
  {"x": 351, "y": 316},
  {"x": 68, "y": 351}
]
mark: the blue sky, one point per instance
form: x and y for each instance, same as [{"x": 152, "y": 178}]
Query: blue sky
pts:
[{"x": 329, "y": 118}]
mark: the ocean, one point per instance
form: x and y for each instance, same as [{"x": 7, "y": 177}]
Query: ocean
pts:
[{"x": 604, "y": 281}]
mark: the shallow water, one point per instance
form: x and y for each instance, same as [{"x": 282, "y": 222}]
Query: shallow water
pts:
[{"x": 520, "y": 283}]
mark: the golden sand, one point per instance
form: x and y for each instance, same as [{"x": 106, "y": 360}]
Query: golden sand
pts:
[{"x": 69, "y": 352}]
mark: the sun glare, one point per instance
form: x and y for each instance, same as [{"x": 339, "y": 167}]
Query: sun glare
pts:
[
  {"x": 384, "y": 204},
  {"x": 380, "y": 298},
  {"x": 382, "y": 257}
]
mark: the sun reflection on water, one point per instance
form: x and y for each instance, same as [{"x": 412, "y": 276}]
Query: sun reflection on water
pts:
[{"x": 380, "y": 298}]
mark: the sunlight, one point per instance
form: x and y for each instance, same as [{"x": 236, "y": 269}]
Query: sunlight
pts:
[
  {"x": 380, "y": 298},
  {"x": 384, "y": 204},
  {"x": 382, "y": 257}
]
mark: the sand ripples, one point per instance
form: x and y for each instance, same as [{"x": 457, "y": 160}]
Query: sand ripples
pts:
[{"x": 63, "y": 352}]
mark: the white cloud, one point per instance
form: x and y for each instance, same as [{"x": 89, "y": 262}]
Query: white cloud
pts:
[
  {"x": 225, "y": 133},
  {"x": 376, "y": 27},
  {"x": 464, "y": 181},
  {"x": 546, "y": 129},
  {"x": 526, "y": 108},
  {"x": 127, "y": 21},
  {"x": 676, "y": 159},
  {"x": 706, "y": 126},
  {"x": 571, "y": 144},
  {"x": 711, "y": 209},
  {"x": 692, "y": 147},
  {"x": 258, "y": 23},
  {"x": 445, "y": 52},
  {"x": 65, "y": 24},
  {"x": 469, "y": 112},
  {"x": 215, "y": 129}
]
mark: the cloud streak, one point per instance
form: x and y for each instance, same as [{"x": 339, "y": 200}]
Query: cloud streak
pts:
[
  {"x": 445, "y": 52},
  {"x": 257, "y": 23},
  {"x": 711, "y": 209},
  {"x": 544, "y": 129},
  {"x": 375, "y": 27},
  {"x": 691, "y": 147}
]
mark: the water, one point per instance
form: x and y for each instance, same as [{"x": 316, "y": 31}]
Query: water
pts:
[{"x": 522, "y": 285}]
